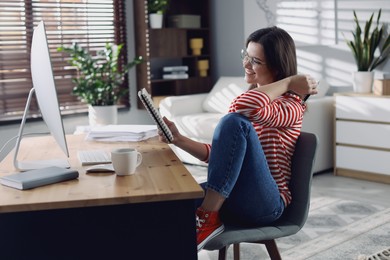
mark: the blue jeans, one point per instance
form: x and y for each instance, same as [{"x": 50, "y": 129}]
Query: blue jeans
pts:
[{"x": 239, "y": 171}]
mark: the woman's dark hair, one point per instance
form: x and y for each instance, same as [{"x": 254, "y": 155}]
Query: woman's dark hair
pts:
[{"x": 279, "y": 51}]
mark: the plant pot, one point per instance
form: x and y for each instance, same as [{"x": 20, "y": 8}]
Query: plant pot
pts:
[
  {"x": 102, "y": 115},
  {"x": 362, "y": 81},
  {"x": 156, "y": 21}
]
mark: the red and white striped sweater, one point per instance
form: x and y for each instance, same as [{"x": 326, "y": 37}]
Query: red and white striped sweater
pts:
[{"x": 278, "y": 125}]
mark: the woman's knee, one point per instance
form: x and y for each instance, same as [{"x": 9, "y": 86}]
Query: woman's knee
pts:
[
  {"x": 233, "y": 119},
  {"x": 233, "y": 128}
]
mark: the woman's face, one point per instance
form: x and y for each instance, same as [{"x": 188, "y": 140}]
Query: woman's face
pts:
[{"x": 255, "y": 65}]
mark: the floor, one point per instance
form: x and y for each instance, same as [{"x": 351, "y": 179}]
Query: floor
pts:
[{"x": 349, "y": 188}]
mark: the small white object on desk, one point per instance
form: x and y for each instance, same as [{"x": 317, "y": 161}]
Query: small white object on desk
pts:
[
  {"x": 91, "y": 157},
  {"x": 125, "y": 160},
  {"x": 101, "y": 168}
]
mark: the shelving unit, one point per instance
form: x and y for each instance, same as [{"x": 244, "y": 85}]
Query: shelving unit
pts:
[{"x": 170, "y": 46}]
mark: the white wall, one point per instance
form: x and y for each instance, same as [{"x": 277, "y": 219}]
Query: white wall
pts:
[{"x": 228, "y": 37}]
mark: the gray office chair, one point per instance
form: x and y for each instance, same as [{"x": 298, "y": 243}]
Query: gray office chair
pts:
[{"x": 293, "y": 218}]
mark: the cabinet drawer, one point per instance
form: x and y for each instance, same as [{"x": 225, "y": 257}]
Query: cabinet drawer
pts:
[
  {"x": 363, "y": 134},
  {"x": 359, "y": 159},
  {"x": 363, "y": 108}
]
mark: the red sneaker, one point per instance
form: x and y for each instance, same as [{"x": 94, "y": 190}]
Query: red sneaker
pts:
[{"x": 208, "y": 225}]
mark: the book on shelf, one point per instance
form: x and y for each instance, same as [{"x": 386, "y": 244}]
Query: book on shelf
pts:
[
  {"x": 175, "y": 76},
  {"x": 39, "y": 177},
  {"x": 175, "y": 69}
]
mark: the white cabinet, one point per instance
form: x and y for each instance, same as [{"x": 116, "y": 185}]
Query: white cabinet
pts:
[{"x": 362, "y": 136}]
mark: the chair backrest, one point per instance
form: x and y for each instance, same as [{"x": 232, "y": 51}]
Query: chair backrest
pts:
[{"x": 301, "y": 177}]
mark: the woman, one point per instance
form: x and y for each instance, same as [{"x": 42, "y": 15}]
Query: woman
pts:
[{"x": 249, "y": 160}]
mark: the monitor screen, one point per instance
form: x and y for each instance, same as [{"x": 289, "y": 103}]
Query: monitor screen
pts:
[{"x": 46, "y": 94}]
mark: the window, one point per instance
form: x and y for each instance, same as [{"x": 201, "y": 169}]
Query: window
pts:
[{"x": 92, "y": 23}]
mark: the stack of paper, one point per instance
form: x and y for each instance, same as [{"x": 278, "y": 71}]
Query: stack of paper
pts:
[{"x": 118, "y": 133}]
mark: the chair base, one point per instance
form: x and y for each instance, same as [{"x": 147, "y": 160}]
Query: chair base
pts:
[{"x": 271, "y": 246}]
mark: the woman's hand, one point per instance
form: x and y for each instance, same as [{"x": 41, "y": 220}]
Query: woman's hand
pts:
[
  {"x": 299, "y": 84},
  {"x": 303, "y": 85},
  {"x": 174, "y": 130},
  {"x": 197, "y": 149}
]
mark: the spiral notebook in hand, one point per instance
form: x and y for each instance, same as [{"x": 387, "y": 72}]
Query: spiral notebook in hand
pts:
[{"x": 148, "y": 103}]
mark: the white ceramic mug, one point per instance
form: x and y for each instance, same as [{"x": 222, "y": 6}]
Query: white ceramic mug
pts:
[{"x": 125, "y": 160}]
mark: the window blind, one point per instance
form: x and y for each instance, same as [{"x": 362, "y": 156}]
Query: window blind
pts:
[{"x": 91, "y": 23}]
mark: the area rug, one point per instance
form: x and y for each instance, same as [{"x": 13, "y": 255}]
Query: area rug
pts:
[
  {"x": 335, "y": 229},
  {"x": 381, "y": 255}
]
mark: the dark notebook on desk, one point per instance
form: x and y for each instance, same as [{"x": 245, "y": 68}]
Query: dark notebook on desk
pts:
[{"x": 35, "y": 178}]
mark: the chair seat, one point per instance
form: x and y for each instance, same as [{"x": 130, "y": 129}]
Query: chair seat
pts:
[{"x": 233, "y": 235}]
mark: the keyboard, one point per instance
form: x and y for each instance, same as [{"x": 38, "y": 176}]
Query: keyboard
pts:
[{"x": 91, "y": 157}]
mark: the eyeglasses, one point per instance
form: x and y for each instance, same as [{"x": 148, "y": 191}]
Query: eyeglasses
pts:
[{"x": 252, "y": 60}]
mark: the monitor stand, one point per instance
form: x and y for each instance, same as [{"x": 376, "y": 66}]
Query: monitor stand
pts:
[{"x": 32, "y": 165}]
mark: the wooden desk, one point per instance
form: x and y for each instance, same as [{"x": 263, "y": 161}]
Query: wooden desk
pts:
[{"x": 149, "y": 215}]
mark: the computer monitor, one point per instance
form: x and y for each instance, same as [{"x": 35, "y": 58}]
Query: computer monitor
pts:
[{"x": 46, "y": 94}]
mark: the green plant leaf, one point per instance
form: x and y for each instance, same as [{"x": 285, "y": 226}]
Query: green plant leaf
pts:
[
  {"x": 99, "y": 78},
  {"x": 158, "y": 6},
  {"x": 364, "y": 47}
]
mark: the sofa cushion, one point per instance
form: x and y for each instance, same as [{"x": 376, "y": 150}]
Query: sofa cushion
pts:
[
  {"x": 199, "y": 127},
  {"x": 222, "y": 94}
]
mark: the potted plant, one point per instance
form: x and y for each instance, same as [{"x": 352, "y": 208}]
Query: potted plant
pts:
[
  {"x": 99, "y": 80},
  {"x": 363, "y": 49},
  {"x": 156, "y": 10}
]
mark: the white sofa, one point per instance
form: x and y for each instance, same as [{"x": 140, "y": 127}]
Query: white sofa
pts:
[{"x": 196, "y": 116}]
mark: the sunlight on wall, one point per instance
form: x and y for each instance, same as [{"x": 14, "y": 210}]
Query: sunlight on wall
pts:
[
  {"x": 308, "y": 22},
  {"x": 319, "y": 29},
  {"x": 364, "y": 9},
  {"x": 338, "y": 71},
  {"x": 310, "y": 63},
  {"x": 335, "y": 66}
]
